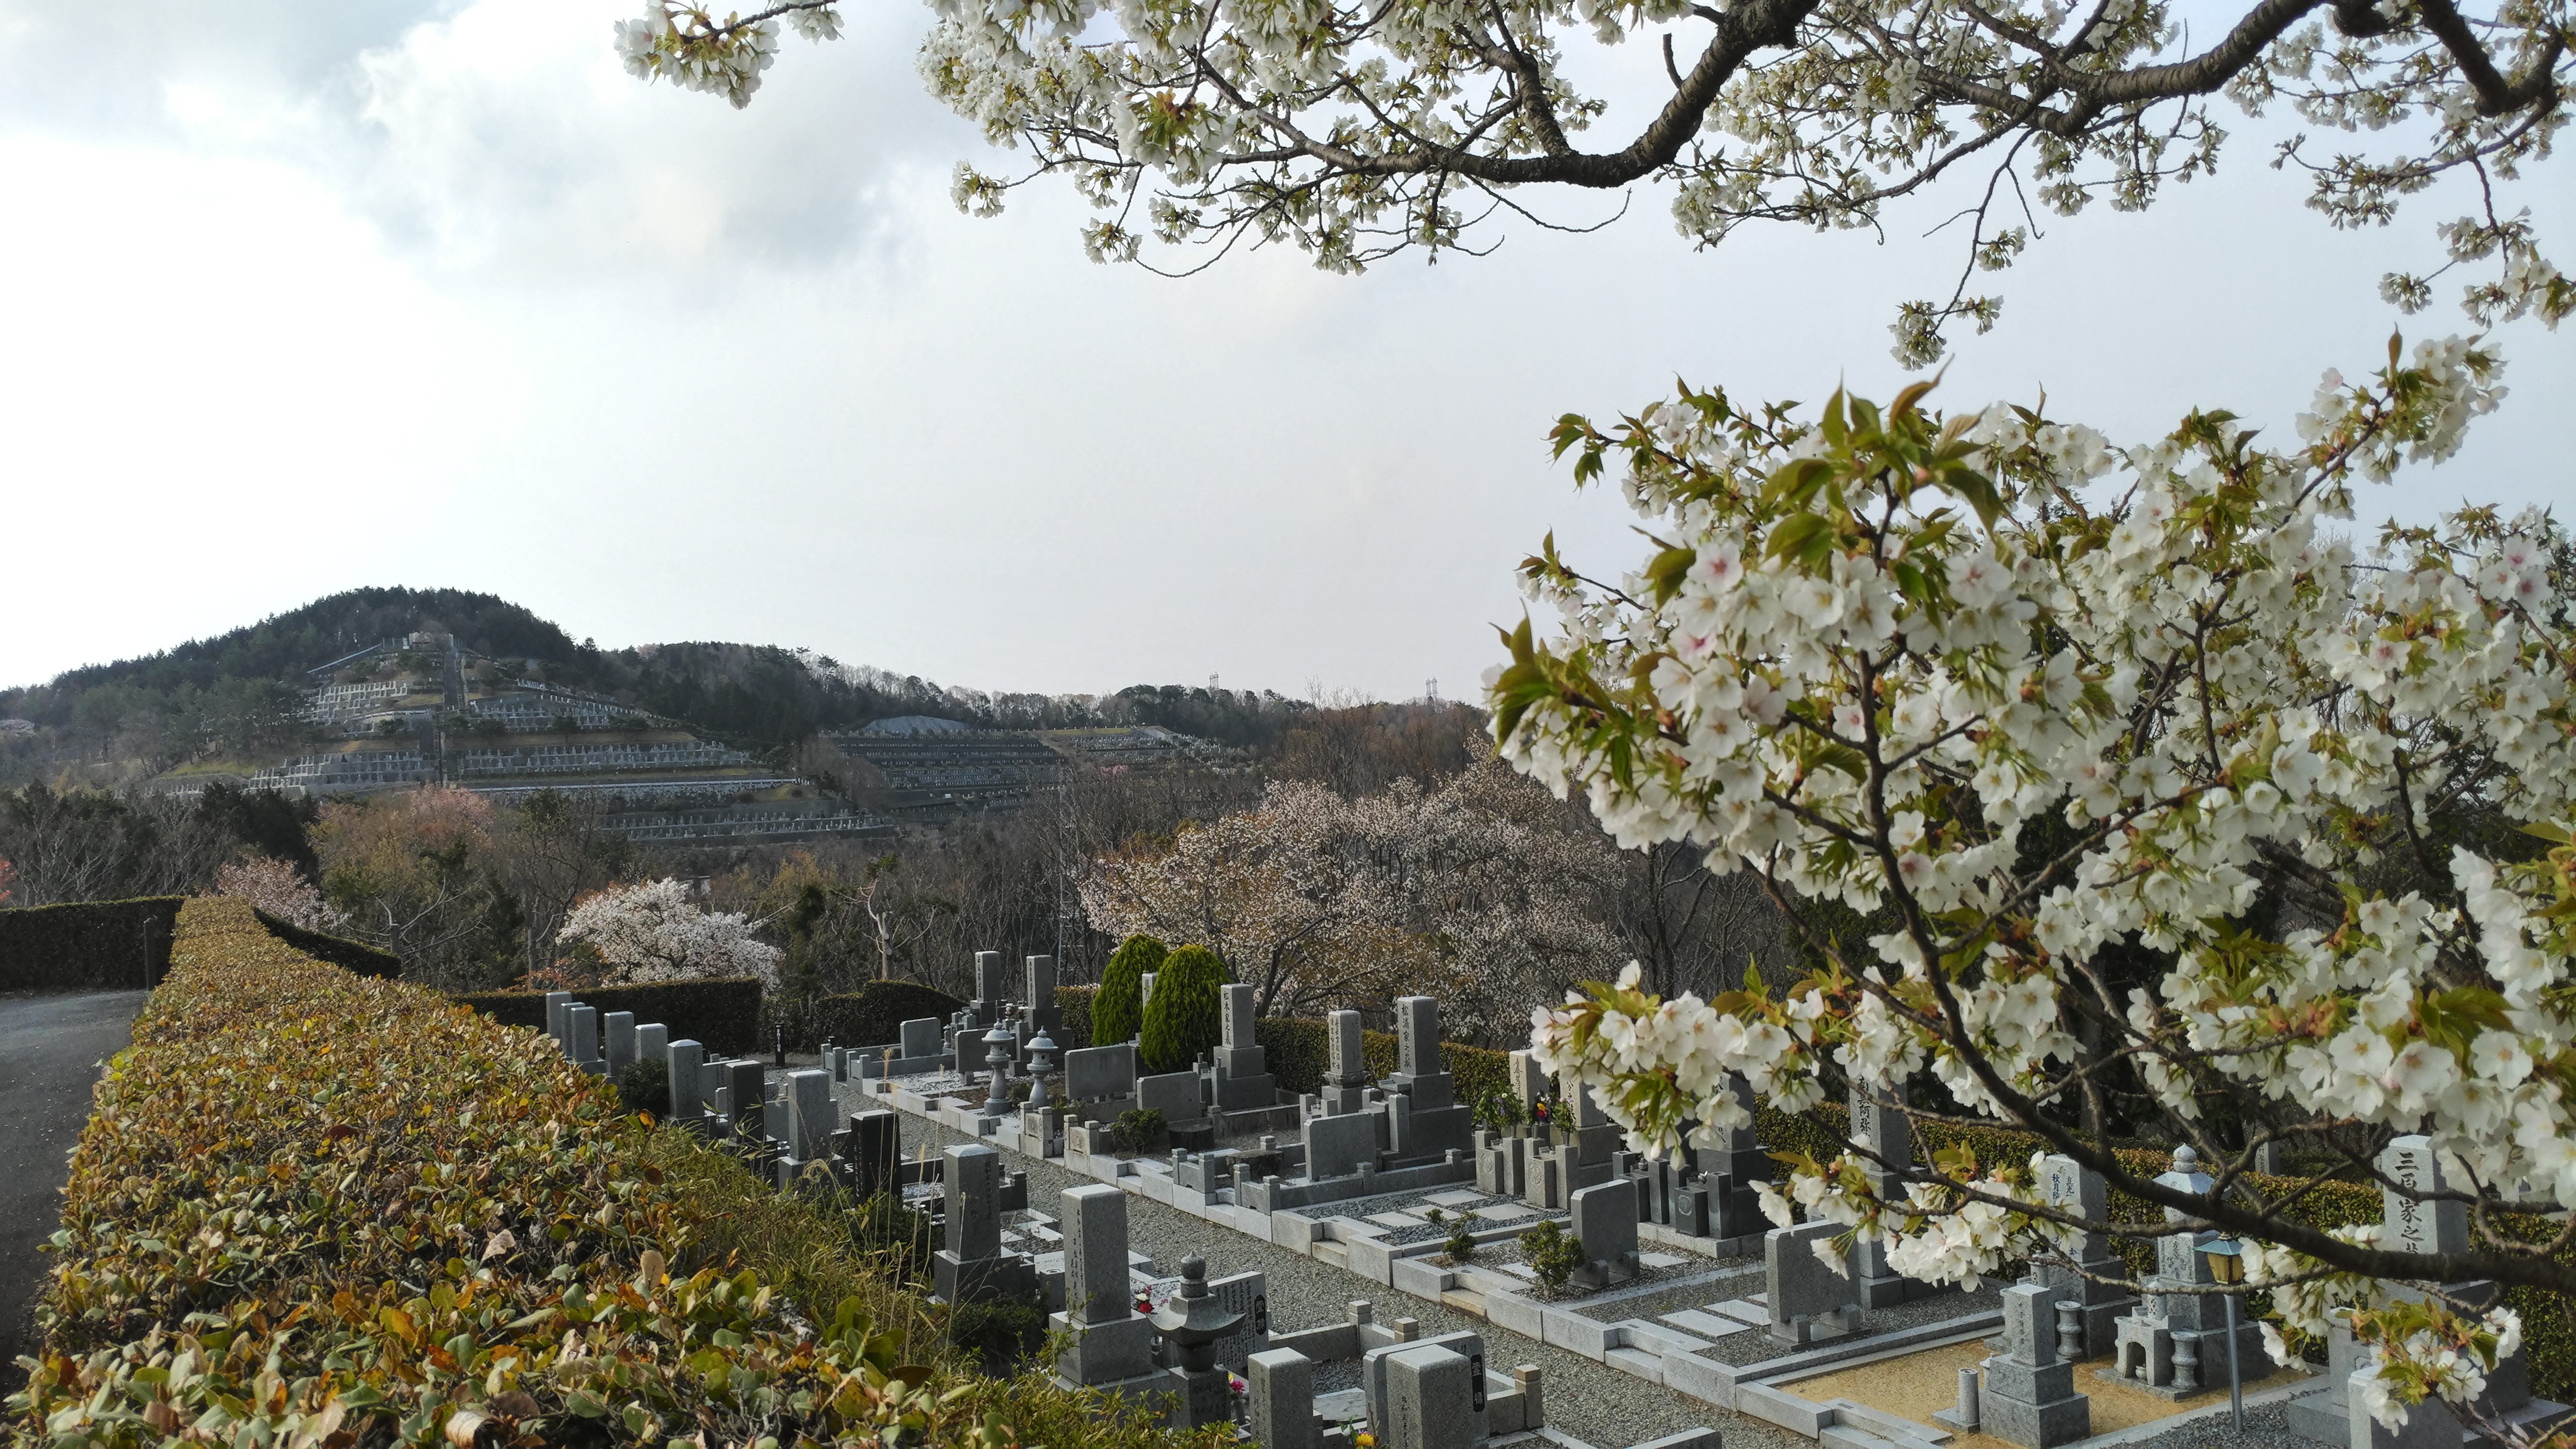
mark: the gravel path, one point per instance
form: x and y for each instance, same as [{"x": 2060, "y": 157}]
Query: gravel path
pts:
[{"x": 1599, "y": 1405}]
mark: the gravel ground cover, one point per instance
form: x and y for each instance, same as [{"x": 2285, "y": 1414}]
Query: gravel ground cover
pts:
[{"x": 1599, "y": 1405}]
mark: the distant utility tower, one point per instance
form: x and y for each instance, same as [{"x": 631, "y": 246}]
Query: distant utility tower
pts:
[
  {"x": 1211, "y": 684},
  {"x": 1431, "y": 690}
]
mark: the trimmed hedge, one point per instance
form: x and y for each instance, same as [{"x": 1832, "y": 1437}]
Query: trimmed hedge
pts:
[
  {"x": 1073, "y": 1004},
  {"x": 87, "y": 945},
  {"x": 339, "y": 951},
  {"x": 395, "y": 1220},
  {"x": 1118, "y": 1012},
  {"x": 724, "y": 1013},
  {"x": 1185, "y": 1017},
  {"x": 874, "y": 1014}
]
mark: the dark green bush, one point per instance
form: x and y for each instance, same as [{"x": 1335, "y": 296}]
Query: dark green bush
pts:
[
  {"x": 724, "y": 1014},
  {"x": 645, "y": 1086},
  {"x": 87, "y": 945},
  {"x": 998, "y": 1334},
  {"x": 1118, "y": 1011},
  {"x": 1185, "y": 1018},
  {"x": 1073, "y": 1006},
  {"x": 874, "y": 1014},
  {"x": 1138, "y": 1129},
  {"x": 1552, "y": 1253},
  {"x": 340, "y": 951}
]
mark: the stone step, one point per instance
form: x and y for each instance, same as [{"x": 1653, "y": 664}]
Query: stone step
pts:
[
  {"x": 1645, "y": 1363},
  {"x": 1706, "y": 1325},
  {"x": 1743, "y": 1310},
  {"x": 1658, "y": 1339}
]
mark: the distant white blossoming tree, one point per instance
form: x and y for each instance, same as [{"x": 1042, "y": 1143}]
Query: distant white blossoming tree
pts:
[
  {"x": 649, "y": 931},
  {"x": 1354, "y": 131},
  {"x": 275, "y": 886},
  {"x": 2067, "y": 725}
]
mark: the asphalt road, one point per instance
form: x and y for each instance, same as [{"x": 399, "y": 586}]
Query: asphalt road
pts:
[{"x": 51, "y": 1049}]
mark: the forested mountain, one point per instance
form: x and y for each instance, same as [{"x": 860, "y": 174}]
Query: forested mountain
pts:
[{"x": 236, "y": 695}]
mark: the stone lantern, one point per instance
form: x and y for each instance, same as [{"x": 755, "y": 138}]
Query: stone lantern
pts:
[
  {"x": 1191, "y": 1321},
  {"x": 1041, "y": 1054},
  {"x": 997, "y": 1055}
]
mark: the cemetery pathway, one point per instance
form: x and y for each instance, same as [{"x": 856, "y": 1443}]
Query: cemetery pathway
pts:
[
  {"x": 1601, "y": 1406},
  {"x": 56, "y": 1044}
]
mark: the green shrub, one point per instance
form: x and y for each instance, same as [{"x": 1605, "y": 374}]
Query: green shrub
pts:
[
  {"x": 340, "y": 951},
  {"x": 874, "y": 1014},
  {"x": 1118, "y": 1011},
  {"x": 87, "y": 945},
  {"x": 1073, "y": 1009},
  {"x": 1186, "y": 1015},
  {"x": 1552, "y": 1253},
  {"x": 1138, "y": 1129},
  {"x": 999, "y": 1335},
  {"x": 723, "y": 1014},
  {"x": 1460, "y": 1245},
  {"x": 1498, "y": 1111},
  {"x": 645, "y": 1086}
]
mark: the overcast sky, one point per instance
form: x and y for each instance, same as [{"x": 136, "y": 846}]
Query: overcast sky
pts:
[{"x": 307, "y": 297}]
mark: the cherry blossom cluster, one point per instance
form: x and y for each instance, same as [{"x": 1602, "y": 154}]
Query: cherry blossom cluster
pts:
[
  {"x": 650, "y": 931},
  {"x": 2022, "y": 697},
  {"x": 689, "y": 47}
]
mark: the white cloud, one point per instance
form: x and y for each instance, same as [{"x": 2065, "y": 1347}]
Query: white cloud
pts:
[{"x": 455, "y": 301}]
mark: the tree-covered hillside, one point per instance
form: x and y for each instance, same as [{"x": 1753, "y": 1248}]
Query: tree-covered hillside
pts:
[{"x": 235, "y": 696}]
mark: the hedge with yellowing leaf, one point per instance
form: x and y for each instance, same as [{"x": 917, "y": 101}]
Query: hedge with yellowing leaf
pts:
[{"x": 317, "y": 1209}]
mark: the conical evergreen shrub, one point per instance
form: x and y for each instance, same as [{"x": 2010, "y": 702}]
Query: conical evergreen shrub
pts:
[
  {"x": 1187, "y": 1013},
  {"x": 1118, "y": 1012}
]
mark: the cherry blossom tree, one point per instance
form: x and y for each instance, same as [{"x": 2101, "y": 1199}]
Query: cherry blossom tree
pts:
[
  {"x": 2150, "y": 783},
  {"x": 277, "y": 887},
  {"x": 649, "y": 931},
  {"x": 1481, "y": 891},
  {"x": 1355, "y": 131}
]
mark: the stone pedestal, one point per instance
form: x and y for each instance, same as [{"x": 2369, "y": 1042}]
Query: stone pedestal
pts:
[
  {"x": 1280, "y": 1400},
  {"x": 2029, "y": 1394}
]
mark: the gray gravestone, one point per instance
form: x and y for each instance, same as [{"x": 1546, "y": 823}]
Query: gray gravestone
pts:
[
  {"x": 809, "y": 1115},
  {"x": 1101, "y": 1073},
  {"x": 1336, "y": 1145},
  {"x": 1605, "y": 1218},
  {"x": 1094, "y": 1225},
  {"x": 1467, "y": 1344},
  {"x": 1427, "y": 1392},
  {"x": 2029, "y": 1393},
  {"x": 556, "y": 1001},
  {"x": 2092, "y": 1277},
  {"x": 747, "y": 1086},
  {"x": 1800, "y": 1289},
  {"x": 1280, "y": 1399},
  {"x": 920, "y": 1037},
  {"x": 874, "y": 1152},
  {"x": 653, "y": 1043},
  {"x": 620, "y": 1027},
  {"x": 581, "y": 1028},
  {"x": 1174, "y": 1094},
  {"x": 1247, "y": 1294},
  {"x": 1243, "y": 1079},
  {"x": 971, "y": 1192},
  {"x": 686, "y": 1058},
  {"x": 1346, "y": 1067},
  {"x": 992, "y": 983},
  {"x": 2419, "y": 1226}
]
